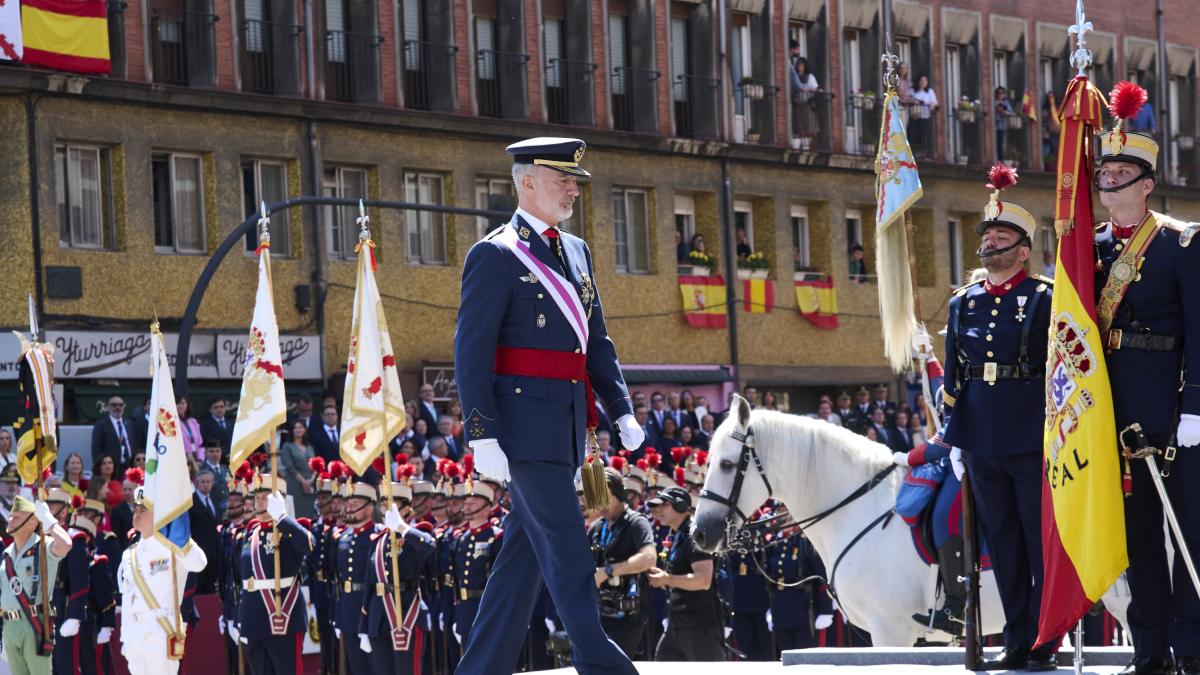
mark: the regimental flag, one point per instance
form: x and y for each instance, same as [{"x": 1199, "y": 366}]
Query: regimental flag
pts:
[
  {"x": 704, "y": 302},
  {"x": 817, "y": 302},
  {"x": 69, "y": 35},
  {"x": 168, "y": 488},
  {"x": 11, "y": 44},
  {"x": 373, "y": 407},
  {"x": 758, "y": 295},
  {"x": 262, "y": 406},
  {"x": 897, "y": 186},
  {"x": 35, "y": 373},
  {"x": 1083, "y": 517}
]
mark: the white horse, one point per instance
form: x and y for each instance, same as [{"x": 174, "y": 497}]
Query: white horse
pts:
[{"x": 811, "y": 467}]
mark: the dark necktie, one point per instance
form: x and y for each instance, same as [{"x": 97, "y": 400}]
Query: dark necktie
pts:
[
  {"x": 124, "y": 440},
  {"x": 556, "y": 246},
  {"x": 221, "y": 421}
]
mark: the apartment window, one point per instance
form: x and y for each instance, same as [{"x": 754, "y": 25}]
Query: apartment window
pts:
[
  {"x": 1000, "y": 70},
  {"x": 953, "y": 78},
  {"x": 685, "y": 218},
  {"x": 83, "y": 184},
  {"x": 631, "y": 229},
  {"x": 178, "y": 203},
  {"x": 904, "y": 51},
  {"x": 426, "y": 229},
  {"x": 341, "y": 222},
  {"x": 679, "y": 57},
  {"x": 485, "y": 188},
  {"x": 798, "y": 31},
  {"x": 954, "y": 236},
  {"x": 552, "y": 30},
  {"x": 485, "y": 42},
  {"x": 616, "y": 51},
  {"x": 853, "y": 227},
  {"x": 1048, "y": 82},
  {"x": 743, "y": 224},
  {"x": 801, "y": 255},
  {"x": 266, "y": 181}
]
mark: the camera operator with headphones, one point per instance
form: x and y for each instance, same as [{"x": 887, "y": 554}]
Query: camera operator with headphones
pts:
[
  {"x": 623, "y": 545},
  {"x": 695, "y": 622}
]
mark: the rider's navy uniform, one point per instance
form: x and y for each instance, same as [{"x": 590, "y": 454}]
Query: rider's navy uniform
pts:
[
  {"x": 522, "y": 371},
  {"x": 749, "y": 603}
]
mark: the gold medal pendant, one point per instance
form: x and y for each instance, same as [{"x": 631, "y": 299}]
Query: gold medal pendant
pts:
[
  {"x": 1123, "y": 271},
  {"x": 742, "y": 569}
]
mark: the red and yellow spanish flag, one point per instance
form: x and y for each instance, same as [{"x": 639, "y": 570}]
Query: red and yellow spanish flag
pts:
[
  {"x": 1083, "y": 518},
  {"x": 704, "y": 301},
  {"x": 69, "y": 35},
  {"x": 817, "y": 302},
  {"x": 758, "y": 295}
]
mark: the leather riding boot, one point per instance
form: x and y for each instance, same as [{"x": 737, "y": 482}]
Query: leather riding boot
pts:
[{"x": 949, "y": 618}]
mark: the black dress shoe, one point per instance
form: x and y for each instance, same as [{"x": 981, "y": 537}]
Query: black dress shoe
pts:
[
  {"x": 1012, "y": 658},
  {"x": 1188, "y": 665},
  {"x": 1148, "y": 665},
  {"x": 1042, "y": 659}
]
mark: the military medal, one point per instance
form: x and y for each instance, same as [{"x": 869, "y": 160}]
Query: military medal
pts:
[
  {"x": 1123, "y": 271},
  {"x": 742, "y": 570},
  {"x": 524, "y": 232},
  {"x": 541, "y": 320},
  {"x": 586, "y": 293},
  {"x": 1021, "y": 300}
]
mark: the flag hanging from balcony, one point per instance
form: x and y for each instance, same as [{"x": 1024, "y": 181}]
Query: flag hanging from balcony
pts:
[
  {"x": 1083, "y": 533},
  {"x": 704, "y": 301},
  {"x": 10, "y": 30},
  {"x": 70, "y": 35},
  {"x": 758, "y": 295},
  {"x": 817, "y": 302}
]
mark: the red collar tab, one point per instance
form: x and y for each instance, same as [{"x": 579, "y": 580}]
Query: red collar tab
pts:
[
  {"x": 1001, "y": 289},
  {"x": 551, "y": 233}
]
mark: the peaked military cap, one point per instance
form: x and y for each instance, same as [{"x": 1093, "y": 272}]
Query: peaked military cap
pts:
[{"x": 560, "y": 154}]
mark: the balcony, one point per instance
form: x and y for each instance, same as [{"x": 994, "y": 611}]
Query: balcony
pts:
[
  {"x": 922, "y": 129},
  {"x": 569, "y": 86},
  {"x": 500, "y": 83},
  {"x": 694, "y": 98},
  {"x": 181, "y": 46},
  {"x": 264, "y": 70},
  {"x": 352, "y": 66},
  {"x": 429, "y": 75},
  {"x": 755, "y": 102},
  {"x": 965, "y": 138},
  {"x": 634, "y": 99},
  {"x": 1018, "y": 135},
  {"x": 812, "y": 121},
  {"x": 864, "y": 115}
]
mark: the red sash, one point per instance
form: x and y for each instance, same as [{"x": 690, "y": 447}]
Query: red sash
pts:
[
  {"x": 279, "y": 620},
  {"x": 401, "y": 632}
]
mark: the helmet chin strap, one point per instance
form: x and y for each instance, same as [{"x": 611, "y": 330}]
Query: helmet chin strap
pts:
[
  {"x": 1146, "y": 173},
  {"x": 982, "y": 253}
]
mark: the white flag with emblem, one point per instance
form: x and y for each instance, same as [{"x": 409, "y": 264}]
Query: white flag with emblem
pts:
[
  {"x": 262, "y": 406},
  {"x": 372, "y": 405},
  {"x": 168, "y": 488}
]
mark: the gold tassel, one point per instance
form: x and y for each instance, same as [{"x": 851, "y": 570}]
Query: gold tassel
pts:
[
  {"x": 595, "y": 483},
  {"x": 1063, "y": 226}
]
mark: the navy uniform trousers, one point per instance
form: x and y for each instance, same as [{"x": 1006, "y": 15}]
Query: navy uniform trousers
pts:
[{"x": 544, "y": 540}]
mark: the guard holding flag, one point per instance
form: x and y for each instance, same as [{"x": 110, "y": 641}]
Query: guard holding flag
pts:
[
  {"x": 1148, "y": 312},
  {"x": 27, "y": 642}
]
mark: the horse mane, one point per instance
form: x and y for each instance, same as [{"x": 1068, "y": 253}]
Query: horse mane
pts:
[{"x": 826, "y": 437}]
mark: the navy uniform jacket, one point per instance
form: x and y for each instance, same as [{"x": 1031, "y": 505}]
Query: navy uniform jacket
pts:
[
  {"x": 314, "y": 566},
  {"x": 791, "y": 561},
  {"x": 295, "y": 542},
  {"x": 749, "y": 586},
  {"x": 534, "y": 419},
  {"x": 229, "y": 538},
  {"x": 447, "y": 538},
  {"x": 1163, "y": 301},
  {"x": 1007, "y": 417},
  {"x": 414, "y": 550},
  {"x": 351, "y": 556},
  {"x": 74, "y": 581},
  {"x": 102, "y": 599},
  {"x": 474, "y": 553}
]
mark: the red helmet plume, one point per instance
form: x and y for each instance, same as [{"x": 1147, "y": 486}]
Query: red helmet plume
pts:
[
  {"x": 135, "y": 475},
  {"x": 1001, "y": 176},
  {"x": 317, "y": 464},
  {"x": 679, "y": 475},
  {"x": 76, "y": 501},
  {"x": 1126, "y": 100},
  {"x": 468, "y": 464},
  {"x": 617, "y": 463},
  {"x": 642, "y": 464},
  {"x": 701, "y": 457}
]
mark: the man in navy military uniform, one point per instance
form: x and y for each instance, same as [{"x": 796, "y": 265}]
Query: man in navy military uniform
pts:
[
  {"x": 353, "y": 549},
  {"x": 1148, "y": 312},
  {"x": 995, "y": 400},
  {"x": 475, "y": 552},
  {"x": 750, "y": 601},
  {"x": 801, "y": 610},
  {"x": 530, "y": 339}
]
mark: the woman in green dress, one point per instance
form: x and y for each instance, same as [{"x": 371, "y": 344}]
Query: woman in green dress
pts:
[{"x": 293, "y": 468}]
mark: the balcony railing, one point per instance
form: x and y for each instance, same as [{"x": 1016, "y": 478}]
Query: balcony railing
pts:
[
  {"x": 694, "y": 98},
  {"x": 499, "y": 79},
  {"x": 921, "y": 126},
  {"x": 812, "y": 121},
  {"x": 569, "y": 86},
  {"x": 429, "y": 75},
  {"x": 176, "y": 35},
  {"x": 1017, "y": 137},
  {"x": 634, "y": 99},
  {"x": 756, "y": 102},
  {"x": 350, "y": 59},
  {"x": 965, "y": 137},
  {"x": 864, "y": 114},
  {"x": 262, "y": 44}
]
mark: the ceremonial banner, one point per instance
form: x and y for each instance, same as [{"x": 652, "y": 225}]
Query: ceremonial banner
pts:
[
  {"x": 758, "y": 295},
  {"x": 36, "y": 403},
  {"x": 372, "y": 407},
  {"x": 262, "y": 406},
  {"x": 704, "y": 301},
  {"x": 1083, "y": 517},
  {"x": 168, "y": 487},
  {"x": 817, "y": 302},
  {"x": 11, "y": 44},
  {"x": 69, "y": 35}
]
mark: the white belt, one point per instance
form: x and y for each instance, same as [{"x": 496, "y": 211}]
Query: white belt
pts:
[{"x": 267, "y": 584}]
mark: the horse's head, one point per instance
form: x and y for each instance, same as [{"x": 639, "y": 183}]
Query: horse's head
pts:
[{"x": 736, "y": 484}]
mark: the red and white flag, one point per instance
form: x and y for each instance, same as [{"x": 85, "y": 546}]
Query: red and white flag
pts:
[{"x": 11, "y": 45}]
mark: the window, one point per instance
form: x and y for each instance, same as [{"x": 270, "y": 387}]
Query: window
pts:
[
  {"x": 801, "y": 255},
  {"x": 685, "y": 217},
  {"x": 798, "y": 31},
  {"x": 1000, "y": 70},
  {"x": 616, "y": 51},
  {"x": 953, "y": 79},
  {"x": 853, "y": 227},
  {"x": 485, "y": 42},
  {"x": 82, "y": 178},
  {"x": 743, "y": 224},
  {"x": 266, "y": 181},
  {"x": 631, "y": 230},
  {"x": 178, "y": 203},
  {"x": 342, "y": 226},
  {"x": 954, "y": 236},
  {"x": 426, "y": 229},
  {"x": 552, "y": 30},
  {"x": 904, "y": 51},
  {"x": 679, "y": 58},
  {"x": 485, "y": 189},
  {"x": 1048, "y": 75}
]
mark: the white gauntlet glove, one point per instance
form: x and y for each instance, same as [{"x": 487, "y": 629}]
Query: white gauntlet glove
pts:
[
  {"x": 956, "y": 462},
  {"x": 490, "y": 460},
  {"x": 632, "y": 434},
  {"x": 1189, "y": 431}
]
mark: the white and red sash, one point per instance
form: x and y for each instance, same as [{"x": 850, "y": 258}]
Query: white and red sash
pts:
[
  {"x": 279, "y": 620},
  {"x": 560, "y": 289},
  {"x": 401, "y": 632}
]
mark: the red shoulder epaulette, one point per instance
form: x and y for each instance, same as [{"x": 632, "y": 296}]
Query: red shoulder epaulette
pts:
[
  {"x": 101, "y": 558},
  {"x": 424, "y": 526}
]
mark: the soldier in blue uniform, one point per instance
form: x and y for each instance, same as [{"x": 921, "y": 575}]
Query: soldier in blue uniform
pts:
[
  {"x": 350, "y": 571},
  {"x": 272, "y": 639},
  {"x": 995, "y": 400},
  {"x": 315, "y": 568},
  {"x": 530, "y": 340},
  {"x": 83, "y": 595},
  {"x": 446, "y": 648},
  {"x": 1148, "y": 312},
  {"x": 798, "y": 611},
  {"x": 475, "y": 552},
  {"x": 228, "y": 584},
  {"x": 750, "y": 601}
]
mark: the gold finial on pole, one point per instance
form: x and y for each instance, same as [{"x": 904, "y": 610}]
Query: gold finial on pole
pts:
[{"x": 891, "y": 66}]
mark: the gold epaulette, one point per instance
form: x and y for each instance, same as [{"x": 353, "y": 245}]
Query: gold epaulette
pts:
[
  {"x": 963, "y": 289},
  {"x": 1045, "y": 280}
]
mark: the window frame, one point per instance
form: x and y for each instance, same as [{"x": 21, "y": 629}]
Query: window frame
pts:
[
  {"x": 284, "y": 250},
  {"x": 747, "y": 207},
  {"x": 622, "y": 233},
  {"x": 801, "y": 234},
  {"x": 857, "y": 231},
  {"x": 346, "y": 216},
  {"x": 483, "y": 189},
  {"x": 174, "y": 248},
  {"x": 104, "y": 188},
  {"x": 417, "y": 255},
  {"x": 685, "y": 206}
]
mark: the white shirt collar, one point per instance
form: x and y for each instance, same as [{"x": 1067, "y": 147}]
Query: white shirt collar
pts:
[{"x": 536, "y": 223}]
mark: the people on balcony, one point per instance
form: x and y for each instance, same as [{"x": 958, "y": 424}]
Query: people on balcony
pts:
[
  {"x": 804, "y": 100},
  {"x": 682, "y": 249},
  {"x": 743, "y": 244},
  {"x": 1003, "y": 112},
  {"x": 858, "y": 265},
  {"x": 920, "y": 121}
]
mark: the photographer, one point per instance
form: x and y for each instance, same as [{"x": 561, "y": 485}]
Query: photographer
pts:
[
  {"x": 695, "y": 625},
  {"x": 623, "y": 546}
]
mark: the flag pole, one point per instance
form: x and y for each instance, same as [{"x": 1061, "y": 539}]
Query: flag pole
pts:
[
  {"x": 39, "y": 444},
  {"x": 264, "y": 245}
]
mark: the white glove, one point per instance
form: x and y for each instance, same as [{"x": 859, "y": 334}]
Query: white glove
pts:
[
  {"x": 454, "y": 629},
  {"x": 823, "y": 621},
  {"x": 42, "y": 511},
  {"x": 104, "y": 636},
  {"x": 221, "y": 624},
  {"x": 550, "y": 625},
  {"x": 337, "y": 633},
  {"x": 69, "y": 628},
  {"x": 1189, "y": 430},
  {"x": 276, "y": 507},
  {"x": 490, "y": 460},
  {"x": 441, "y": 623},
  {"x": 900, "y": 458},
  {"x": 234, "y": 633},
  {"x": 770, "y": 621},
  {"x": 364, "y": 643},
  {"x": 921, "y": 344},
  {"x": 632, "y": 434},
  {"x": 392, "y": 519},
  {"x": 956, "y": 462}
]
